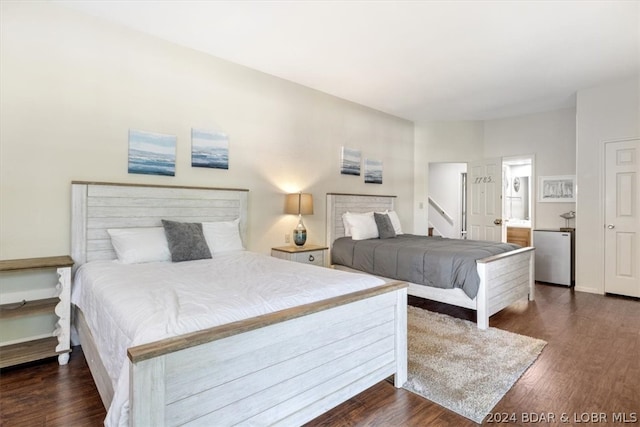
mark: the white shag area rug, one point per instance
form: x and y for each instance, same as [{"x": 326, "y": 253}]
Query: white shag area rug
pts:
[{"x": 464, "y": 369}]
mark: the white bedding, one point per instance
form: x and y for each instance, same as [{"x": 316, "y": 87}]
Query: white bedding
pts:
[{"x": 131, "y": 304}]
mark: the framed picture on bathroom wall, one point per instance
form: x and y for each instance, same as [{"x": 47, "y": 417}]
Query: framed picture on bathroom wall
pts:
[{"x": 558, "y": 189}]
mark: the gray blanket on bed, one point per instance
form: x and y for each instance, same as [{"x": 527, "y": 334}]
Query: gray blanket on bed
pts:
[{"x": 432, "y": 261}]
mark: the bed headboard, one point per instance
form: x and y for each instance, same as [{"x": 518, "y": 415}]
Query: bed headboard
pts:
[
  {"x": 338, "y": 203},
  {"x": 97, "y": 206}
]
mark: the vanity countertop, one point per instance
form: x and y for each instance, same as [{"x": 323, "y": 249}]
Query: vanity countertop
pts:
[{"x": 520, "y": 223}]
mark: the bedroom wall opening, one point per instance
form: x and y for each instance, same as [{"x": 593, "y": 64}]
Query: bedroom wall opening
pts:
[
  {"x": 446, "y": 195},
  {"x": 446, "y": 199}
]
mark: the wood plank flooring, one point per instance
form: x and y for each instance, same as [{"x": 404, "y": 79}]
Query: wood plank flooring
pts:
[
  {"x": 589, "y": 368},
  {"x": 47, "y": 394}
]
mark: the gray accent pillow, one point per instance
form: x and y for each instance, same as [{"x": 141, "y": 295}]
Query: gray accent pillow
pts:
[
  {"x": 186, "y": 241},
  {"x": 385, "y": 227}
]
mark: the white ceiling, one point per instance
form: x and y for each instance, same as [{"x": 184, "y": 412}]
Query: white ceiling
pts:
[{"x": 421, "y": 60}]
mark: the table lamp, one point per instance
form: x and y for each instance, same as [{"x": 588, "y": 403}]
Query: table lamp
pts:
[{"x": 299, "y": 204}]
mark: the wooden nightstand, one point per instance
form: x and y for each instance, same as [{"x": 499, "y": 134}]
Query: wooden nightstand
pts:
[
  {"x": 308, "y": 254},
  {"x": 24, "y": 304}
]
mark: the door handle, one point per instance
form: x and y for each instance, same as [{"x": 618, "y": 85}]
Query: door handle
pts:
[
  {"x": 497, "y": 221},
  {"x": 611, "y": 226}
]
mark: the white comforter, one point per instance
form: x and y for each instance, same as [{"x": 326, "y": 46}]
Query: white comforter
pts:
[{"x": 128, "y": 305}]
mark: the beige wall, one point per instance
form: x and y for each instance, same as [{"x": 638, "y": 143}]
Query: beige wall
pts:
[
  {"x": 549, "y": 137},
  {"x": 564, "y": 142},
  {"x": 72, "y": 86},
  {"x": 438, "y": 142},
  {"x": 604, "y": 113}
]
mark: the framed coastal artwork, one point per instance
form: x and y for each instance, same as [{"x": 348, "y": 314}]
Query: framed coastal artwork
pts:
[
  {"x": 372, "y": 171},
  {"x": 558, "y": 189},
  {"x": 152, "y": 153},
  {"x": 209, "y": 149},
  {"x": 350, "y": 161}
]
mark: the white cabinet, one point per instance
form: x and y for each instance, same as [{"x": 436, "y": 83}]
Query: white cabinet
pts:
[
  {"x": 309, "y": 254},
  {"x": 22, "y": 305}
]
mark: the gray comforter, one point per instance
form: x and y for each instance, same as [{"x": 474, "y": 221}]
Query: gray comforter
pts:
[{"x": 432, "y": 261}]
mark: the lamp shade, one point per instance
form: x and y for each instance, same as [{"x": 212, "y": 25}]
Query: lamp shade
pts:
[{"x": 299, "y": 204}]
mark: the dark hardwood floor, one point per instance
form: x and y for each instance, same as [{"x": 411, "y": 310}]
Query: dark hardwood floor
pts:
[
  {"x": 589, "y": 371},
  {"x": 47, "y": 394}
]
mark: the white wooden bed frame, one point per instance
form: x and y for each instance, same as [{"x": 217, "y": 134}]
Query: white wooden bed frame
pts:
[
  {"x": 504, "y": 278},
  {"x": 267, "y": 370}
]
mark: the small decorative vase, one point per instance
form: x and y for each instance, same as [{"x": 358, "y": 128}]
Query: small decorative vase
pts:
[{"x": 300, "y": 233}]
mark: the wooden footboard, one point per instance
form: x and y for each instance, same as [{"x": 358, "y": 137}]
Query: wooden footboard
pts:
[
  {"x": 284, "y": 368},
  {"x": 504, "y": 279}
]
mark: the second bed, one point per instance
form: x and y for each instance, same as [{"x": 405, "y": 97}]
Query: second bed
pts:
[{"x": 496, "y": 276}]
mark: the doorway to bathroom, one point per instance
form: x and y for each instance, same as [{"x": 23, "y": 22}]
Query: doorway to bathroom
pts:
[{"x": 518, "y": 199}]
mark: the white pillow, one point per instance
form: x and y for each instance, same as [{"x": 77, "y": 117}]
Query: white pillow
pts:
[
  {"x": 347, "y": 230},
  {"x": 136, "y": 245},
  {"x": 395, "y": 221},
  {"x": 223, "y": 236},
  {"x": 345, "y": 221},
  {"x": 361, "y": 226}
]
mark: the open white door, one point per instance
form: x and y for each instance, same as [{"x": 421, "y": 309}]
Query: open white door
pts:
[
  {"x": 484, "y": 200},
  {"x": 622, "y": 218}
]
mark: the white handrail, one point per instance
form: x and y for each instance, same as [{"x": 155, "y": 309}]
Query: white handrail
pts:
[{"x": 441, "y": 211}]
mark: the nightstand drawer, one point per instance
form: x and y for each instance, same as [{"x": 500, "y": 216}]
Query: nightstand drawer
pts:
[
  {"x": 309, "y": 254},
  {"x": 313, "y": 257}
]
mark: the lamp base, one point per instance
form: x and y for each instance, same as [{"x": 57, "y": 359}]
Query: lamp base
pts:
[
  {"x": 299, "y": 237},
  {"x": 300, "y": 233}
]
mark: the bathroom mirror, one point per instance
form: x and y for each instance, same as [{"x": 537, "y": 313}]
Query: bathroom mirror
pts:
[
  {"x": 517, "y": 199},
  {"x": 517, "y": 191}
]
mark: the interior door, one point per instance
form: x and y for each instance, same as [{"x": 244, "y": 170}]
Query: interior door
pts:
[
  {"x": 484, "y": 200},
  {"x": 622, "y": 219}
]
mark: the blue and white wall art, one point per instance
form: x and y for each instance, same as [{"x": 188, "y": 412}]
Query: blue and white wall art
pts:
[
  {"x": 152, "y": 153},
  {"x": 350, "y": 164},
  {"x": 372, "y": 171},
  {"x": 209, "y": 149}
]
